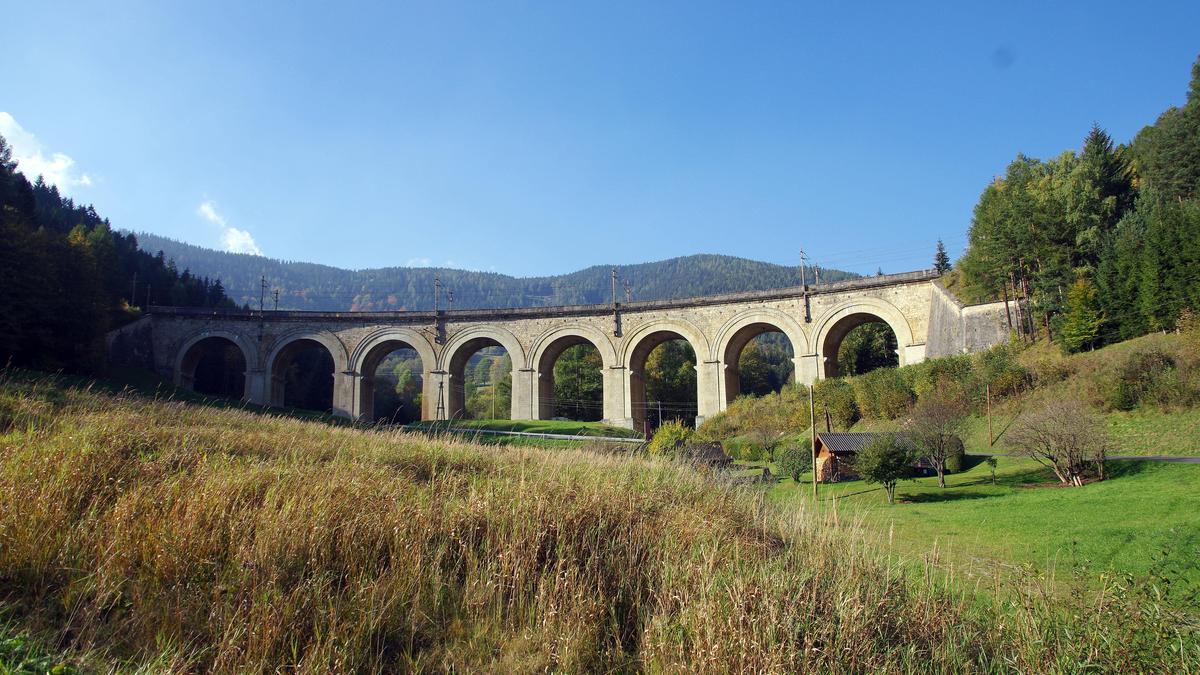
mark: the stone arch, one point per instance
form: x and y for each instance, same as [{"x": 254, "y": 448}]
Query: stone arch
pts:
[
  {"x": 288, "y": 344},
  {"x": 371, "y": 350},
  {"x": 188, "y": 357},
  {"x": 638, "y": 345},
  {"x": 733, "y": 337},
  {"x": 840, "y": 320},
  {"x": 459, "y": 350},
  {"x": 550, "y": 345}
]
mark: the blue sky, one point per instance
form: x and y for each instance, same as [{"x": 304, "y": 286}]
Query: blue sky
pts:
[{"x": 539, "y": 138}]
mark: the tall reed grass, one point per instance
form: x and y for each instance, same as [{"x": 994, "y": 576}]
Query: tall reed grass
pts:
[{"x": 175, "y": 537}]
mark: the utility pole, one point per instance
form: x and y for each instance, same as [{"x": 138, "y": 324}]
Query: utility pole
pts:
[
  {"x": 441, "y": 406},
  {"x": 812, "y": 429},
  {"x": 615, "y": 309},
  {"x": 450, "y": 299},
  {"x": 660, "y": 413},
  {"x": 987, "y": 388},
  {"x": 628, "y": 292},
  {"x": 133, "y": 292},
  {"x": 817, "y": 274},
  {"x": 437, "y": 292},
  {"x": 804, "y": 286},
  {"x": 262, "y": 292},
  {"x": 147, "y": 297},
  {"x": 276, "y": 299}
]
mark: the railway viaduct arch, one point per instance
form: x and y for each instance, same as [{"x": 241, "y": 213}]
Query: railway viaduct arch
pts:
[{"x": 926, "y": 320}]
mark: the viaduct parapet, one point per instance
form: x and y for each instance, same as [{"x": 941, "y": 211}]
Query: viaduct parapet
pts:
[{"x": 925, "y": 319}]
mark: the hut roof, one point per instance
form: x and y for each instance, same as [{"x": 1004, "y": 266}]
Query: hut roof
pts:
[{"x": 846, "y": 442}]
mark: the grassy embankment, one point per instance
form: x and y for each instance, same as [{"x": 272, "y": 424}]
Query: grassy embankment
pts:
[
  {"x": 172, "y": 536},
  {"x": 1142, "y": 521}
]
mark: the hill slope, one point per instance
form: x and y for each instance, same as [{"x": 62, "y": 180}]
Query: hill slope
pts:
[
  {"x": 185, "y": 538},
  {"x": 320, "y": 287}
]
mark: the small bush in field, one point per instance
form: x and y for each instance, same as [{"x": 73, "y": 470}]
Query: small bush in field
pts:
[
  {"x": 671, "y": 436},
  {"x": 883, "y": 394},
  {"x": 956, "y": 456},
  {"x": 837, "y": 396},
  {"x": 1147, "y": 376},
  {"x": 794, "y": 461}
]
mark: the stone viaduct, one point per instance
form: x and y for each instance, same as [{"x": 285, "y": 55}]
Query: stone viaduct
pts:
[{"x": 925, "y": 319}]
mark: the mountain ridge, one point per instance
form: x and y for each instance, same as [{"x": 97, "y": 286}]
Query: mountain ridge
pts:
[{"x": 314, "y": 286}]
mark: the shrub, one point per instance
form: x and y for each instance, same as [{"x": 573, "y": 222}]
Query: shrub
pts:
[
  {"x": 935, "y": 374},
  {"x": 837, "y": 396},
  {"x": 1147, "y": 376},
  {"x": 794, "y": 461},
  {"x": 956, "y": 456},
  {"x": 671, "y": 436},
  {"x": 883, "y": 394},
  {"x": 1000, "y": 367},
  {"x": 716, "y": 428}
]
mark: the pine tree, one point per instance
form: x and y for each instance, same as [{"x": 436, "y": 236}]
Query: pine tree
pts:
[
  {"x": 941, "y": 261},
  {"x": 1080, "y": 324}
]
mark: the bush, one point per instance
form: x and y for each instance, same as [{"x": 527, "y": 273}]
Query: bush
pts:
[
  {"x": 669, "y": 438},
  {"x": 1147, "y": 376},
  {"x": 837, "y": 396},
  {"x": 794, "y": 461},
  {"x": 954, "y": 460},
  {"x": 883, "y": 394},
  {"x": 1001, "y": 368},
  {"x": 934, "y": 375}
]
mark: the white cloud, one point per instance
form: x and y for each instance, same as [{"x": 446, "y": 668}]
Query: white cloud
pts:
[
  {"x": 418, "y": 262},
  {"x": 57, "y": 168},
  {"x": 233, "y": 239}
]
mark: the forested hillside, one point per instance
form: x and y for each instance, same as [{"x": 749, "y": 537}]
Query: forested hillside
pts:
[
  {"x": 66, "y": 277},
  {"x": 1099, "y": 245},
  {"x": 320, "y": 287}
]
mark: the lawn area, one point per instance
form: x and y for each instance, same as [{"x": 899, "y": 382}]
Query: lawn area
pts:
[
  {"x": 1138, "y": 432},
  {"x": 1146, "y": 511},
  {"x": 564, "y": 427}
]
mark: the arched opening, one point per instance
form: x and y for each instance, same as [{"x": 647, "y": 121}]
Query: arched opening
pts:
[
  {"x": 663, "y": 381},
  {"x": 758, "y": 360},
  {"x": 571, "y": 380},
  {"x": 859, "y": 343},
  {"x": 302, "y": 376},
  {"x": 215, "y": 366},
  {"x": 392, "y": 383},
  {"x": 480, "y": 382}
]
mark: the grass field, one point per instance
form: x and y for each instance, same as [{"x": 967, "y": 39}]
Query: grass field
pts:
[
  {"x": 173, "y": 537},
  {"x": 1144, "y": 519},
  {"x": 1138, "y": 432}
]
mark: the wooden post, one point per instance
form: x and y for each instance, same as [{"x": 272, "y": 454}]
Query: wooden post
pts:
[
  {"x": 812, "y": 428},
  {"x": 988, "y": 389}
]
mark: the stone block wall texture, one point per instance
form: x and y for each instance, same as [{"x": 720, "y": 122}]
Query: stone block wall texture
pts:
[
  {"x": 925, "y": 319},
  {"x": 955, "y": 328}
]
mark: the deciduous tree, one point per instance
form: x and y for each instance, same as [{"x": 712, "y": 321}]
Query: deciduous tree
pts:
[
  {"x": 886, "y": 460},
  {"x": 1062, "y": 435},
  {"x": 934, "y": 428}
]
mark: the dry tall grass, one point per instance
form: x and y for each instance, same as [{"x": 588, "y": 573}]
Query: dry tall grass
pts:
[{"x": 194, "y": 539}]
